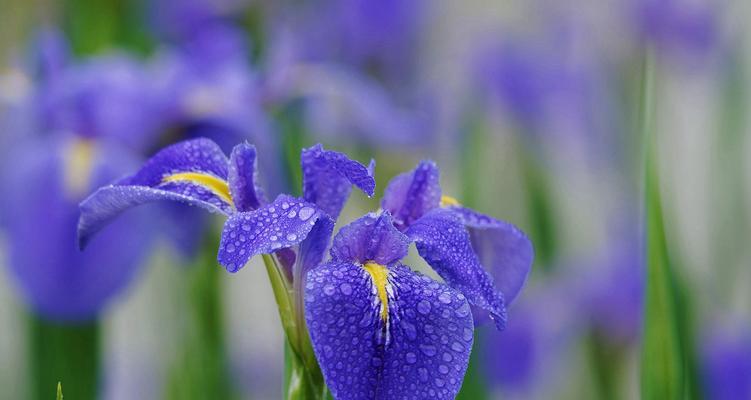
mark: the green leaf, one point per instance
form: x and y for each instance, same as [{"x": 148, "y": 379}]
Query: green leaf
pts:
[{"x": 662, "y": 368}]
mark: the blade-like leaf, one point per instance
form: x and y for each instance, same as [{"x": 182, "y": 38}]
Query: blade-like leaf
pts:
[{"x": 662, "y": 372}]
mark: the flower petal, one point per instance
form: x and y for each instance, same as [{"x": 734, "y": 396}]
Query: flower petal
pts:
[
  {"x": 328, "y": 177},
  {"x": 420, "y": 351},
  {"x": 444, "y": 243},
  {"x": 502, "y": 248},
  {"x": 108, "y": 202},
  {"x": 370, "y": 238},
  {"x": 243, "y": 178},
  {"x": 410, "y": 195},
  {"x": 192, "y": 172},
  {"x": 281, "y": 224}
]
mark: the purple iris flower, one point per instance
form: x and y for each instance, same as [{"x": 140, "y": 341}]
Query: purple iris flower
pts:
[
  {"x": 104, "y": 96},
  {"x": 457, "y": 242},
  {"x": 380, "y": 330},
  {"x": 44, "y": 182},
  {"x": 197, "y": 172}
]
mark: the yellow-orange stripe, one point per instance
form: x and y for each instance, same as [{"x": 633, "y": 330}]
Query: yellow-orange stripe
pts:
[
  {"x": 380, "y": 276},
  {"x": 449, "y": 201},
  {"x": 218, "y": 186}
]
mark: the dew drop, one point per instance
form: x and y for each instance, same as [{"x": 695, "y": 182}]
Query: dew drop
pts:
[
  {"x": 329, "y": 289},
  {"x": 291, "y": 237},
  {"x": 423, "y": 307},
  {"x": 456, "y": 346},
  {"x": 444, "y": 298},
  {"x": 230, "y": 248},
  {"x": 427, "y": 349},
  {"x": 292, "y": 214},
  {"x": 305, "y": 213},
  {"x": 410, "y": 357},
  {"x": 346, "y": 288}
]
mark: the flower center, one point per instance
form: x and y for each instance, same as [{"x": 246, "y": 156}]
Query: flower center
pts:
[
  {"x": 380, "y": 276},
  {"x": 447, "y": 201},
  {"x": 216, "y": 185},
  {"x": 78, "y": 164}
]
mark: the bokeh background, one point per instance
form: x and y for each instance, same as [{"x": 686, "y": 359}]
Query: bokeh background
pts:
[{"x": 529, "y": 107}]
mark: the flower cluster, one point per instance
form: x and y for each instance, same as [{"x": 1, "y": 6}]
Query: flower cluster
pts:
[{"x": 378, "y": 329}]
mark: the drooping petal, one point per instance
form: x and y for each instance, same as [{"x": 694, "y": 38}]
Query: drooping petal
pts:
[
  {"x": 328, "y": 177},
  {"x": 503, "y": 249},
  {"x": 444, "y": 243},
  {"x": 281, "y": 224},
  {"x": 108, "y": 202},
  {"x": 419, "y": 350},
  {"x": 192, "y": 172},
  {"x": 370, "y": 238},
  {"x": 410, "y": 195},
  {"x": 243, "y": 178}
]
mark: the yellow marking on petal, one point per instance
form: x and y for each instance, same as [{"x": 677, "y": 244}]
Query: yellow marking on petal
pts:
[
  {"x": 218, "y": 186},
  {"x": 79, "y": 157},
  {"x": 449, "y": 201},
  {"x": 380, "y": 276}
]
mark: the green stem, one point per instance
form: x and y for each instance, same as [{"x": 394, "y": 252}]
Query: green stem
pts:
[
  {"x": 302, "y": 374},
  {"x": 67, "y": 353},
  {"x": 662, "y": 358}
]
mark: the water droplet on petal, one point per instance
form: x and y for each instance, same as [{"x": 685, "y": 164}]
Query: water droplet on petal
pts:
[
  {"x": 444, "y": 298},
  {"x": 411, "y": 357},
  {"x": 346, "y": 288},
  {"x": 329, "y": 289},
  {"x": 423, "y": 307},
  {"x": 291, "y": 237},
  {"x": 305, "y": 213},
  {"x": 230, "y": 248},
  {"x": 427, "y": 349}
]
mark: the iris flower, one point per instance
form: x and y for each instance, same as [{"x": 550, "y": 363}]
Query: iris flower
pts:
[
  {"x": 197, "y": 172},
  {"x": 457, "y": 242},
  {"x": 380, "y": 330}
]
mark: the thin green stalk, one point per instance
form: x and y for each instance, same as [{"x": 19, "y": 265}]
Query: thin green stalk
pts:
[
  {"x": 67, "y": 353},
  {"x": 662, "y": 368},
  {"x": 302, "y": 375}
]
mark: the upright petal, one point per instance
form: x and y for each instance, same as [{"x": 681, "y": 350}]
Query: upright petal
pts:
[
  {"x": 419, "y": 350},
  {"x": 444, "y": 243},
  {"x": 370, "y": 238},
  {"x": 192, "y": 172},
  {"x": 504, "y": 250},
  {"x": 328, "y": 177},
  {"x": 410, "y": 195},
  {"x": 243, "y": 178},
  {"x": 282, "y": 224}
]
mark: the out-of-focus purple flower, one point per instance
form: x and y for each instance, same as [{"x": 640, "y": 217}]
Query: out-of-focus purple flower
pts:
[
  {"x": 43, "y": 182},
  {"x": 196, "y": 172},
  {"x": 726, "y": 360},
  {"x": 613, "y": 294},
  {"x": 380, "y": 38},
  {"x": 105, "y": 97},
  {"x": 532, "y": 347},
  {"x": 351, "y": 63},
  {"x": 457, "y": 242},
  {"x": 678, "y": 24},
  {"x": 380, "y": 330},
  {"x": 551, "y": 83}
]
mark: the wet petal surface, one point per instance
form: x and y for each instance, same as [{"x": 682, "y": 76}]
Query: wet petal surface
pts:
[
  {"x": 243, "y": 178},
  {"x": 503, "y": 249},
  {"x": 370, "y": 238},
  {"x": 281, "y": 224},
  {"x": 420, "y": 351},
  {"x": 444, "y": 243},
  {"x": 328, "y": 177},
  {"x": 410, "y": 195}
]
